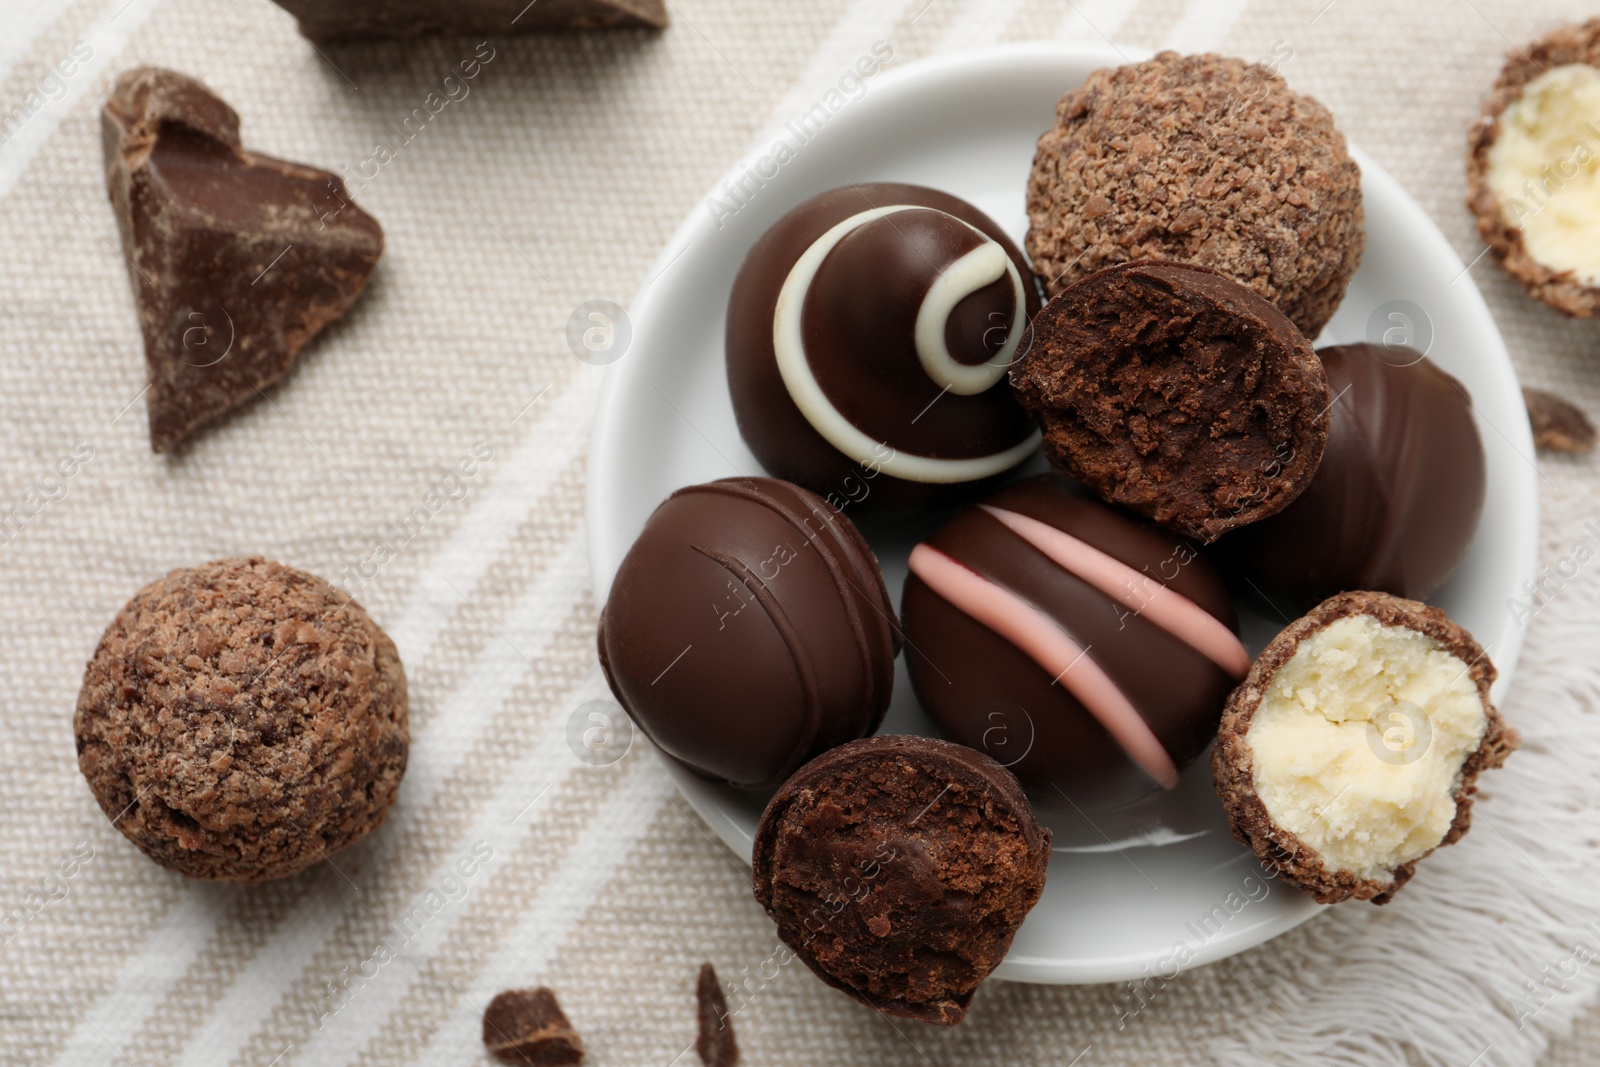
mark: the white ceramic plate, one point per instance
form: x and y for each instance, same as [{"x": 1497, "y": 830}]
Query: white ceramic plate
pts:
[{"x": 1161, "y": 882}]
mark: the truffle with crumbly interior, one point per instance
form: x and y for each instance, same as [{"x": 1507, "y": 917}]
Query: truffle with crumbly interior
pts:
[
  {"x": 242, "y": 720},
  {"x": 1203, "y": 159},
  {"x": 1354, "y": 746},
  {"x": 1533, "y": 169},
  {"x": 899, "y": 868}
]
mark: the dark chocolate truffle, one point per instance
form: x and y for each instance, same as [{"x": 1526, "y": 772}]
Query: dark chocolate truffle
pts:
[
  {"x": 899, "y": 868},
  {"x": 1203, "y": 159},
  {"x": 1394, "y": 503},
  {"x": 748, "y": 629},
  {"x": 1177, "y": 393},
  {"x": 1353, "y": 748},
  {"x": 1531, "y": 161},
  {"x": 242, "y": 720},
  {"x": 869, "y": 332},
  {"x": 1083, "y": 649}
]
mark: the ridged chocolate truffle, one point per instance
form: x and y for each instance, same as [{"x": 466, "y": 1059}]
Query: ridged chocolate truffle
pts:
[
  {"x": 869, "y": 332},
  {"x": 1088, "y": 652},
  {"x": 1203, "y": 159},
  {"x": 748, "y": 629},
  {"x": 1396, "y": 499},
  {"x": 899, "y": 868},
  {"x": 242, "y": 720}
]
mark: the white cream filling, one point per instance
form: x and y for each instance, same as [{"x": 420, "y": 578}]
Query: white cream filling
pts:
[
  {"x": 966, "y": 276},
  {"x": 1544, "y": 168},
  {"x": 1359, "y": 742}
]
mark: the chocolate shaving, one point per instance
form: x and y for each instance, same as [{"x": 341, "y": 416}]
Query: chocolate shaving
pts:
[
  {"x": 716, "y": 1044},
  {"x": 527, "y": 1026},
  {"x": 237, "y": 260},
  {"x": 1557, "y": 425}
]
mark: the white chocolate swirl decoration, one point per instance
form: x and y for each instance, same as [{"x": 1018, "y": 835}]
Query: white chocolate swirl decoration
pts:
[{"x": 982, "y": 266}]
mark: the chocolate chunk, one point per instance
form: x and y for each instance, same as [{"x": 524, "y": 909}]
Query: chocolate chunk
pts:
[
  {"x": 716, "y": 1044},
  {"x": 323, "y": 22},
  {"x": 898, "y": 868},
  {"x": 237, "y": 259},
  {"x": 1178, "y": 393},
  {"x": 1557, "y": 425},
  {"x": 527, "y": 1026}
]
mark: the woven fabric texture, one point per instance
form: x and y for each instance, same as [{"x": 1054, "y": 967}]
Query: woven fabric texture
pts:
[{"x": 555, "y": 182}]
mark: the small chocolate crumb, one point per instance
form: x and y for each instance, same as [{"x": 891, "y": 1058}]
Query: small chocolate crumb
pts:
[
  {"x": 716, "y": 1044},
  {"x": 527, "y": 1026},
  {"x": 1557, "y": 425}
]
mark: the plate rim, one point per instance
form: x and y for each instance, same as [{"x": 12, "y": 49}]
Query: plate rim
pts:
[{"x": 604, "y": 438}]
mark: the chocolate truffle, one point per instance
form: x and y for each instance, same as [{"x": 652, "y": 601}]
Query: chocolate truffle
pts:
[
  {"x": 1353, "y": 749},
  {"x": 869, "y": 332},
  {"x": 1177, "y": 393},
  {"x": 237, "y": 259},
  {"x": 1204, "y": 159},
  {"x": 242, "y": 720},
  {"x": 1394, "y": 503},
  {"x": 748, "y": 629},
  {"x": 350, "y": 20},
  {"x": 899, "y": 868},
  {"x": 1085, "y": 650},
  {"x": 1533, "y": 169}
]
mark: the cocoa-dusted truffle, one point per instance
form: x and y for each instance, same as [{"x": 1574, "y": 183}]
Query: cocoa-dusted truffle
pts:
[
  {"x": 1177, "y": 393},
  {"x": 1204, "y": 159},
  {"x": 898, "y": 868},
  {"x": 242, "y": 720},
  {"x": 1353, "y": 748},
  {"x": 1533, "y": 169}
]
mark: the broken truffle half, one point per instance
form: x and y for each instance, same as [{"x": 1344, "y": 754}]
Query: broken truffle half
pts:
[
  {"x": 899, "y": 868},
  {"x": 1533, "y": 169},
  {"x": 1353, "y": 748},
  {"x": 237, "y": 259}
]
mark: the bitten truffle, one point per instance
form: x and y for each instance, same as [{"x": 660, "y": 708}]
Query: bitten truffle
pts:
[
  {"x": 242, "y": 720},
  {"x": 1203, "y": 159},
  {"x": 1177, "y": 393},
  {"x": 1533, "y": 169},
  {"x": 1353, "y": 748},
  {"x": 899, "y": 868}
]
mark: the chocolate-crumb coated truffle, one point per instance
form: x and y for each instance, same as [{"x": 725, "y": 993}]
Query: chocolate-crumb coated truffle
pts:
[
  {"x": 868, "y": 336},
  {"x": 1558, "y": 426},
  {"x": 242, "y": 720},
  {"x": 1204, "y": 159},
  {"x": 1353, "y": 748},
  {"x": 1533, "y": 176},
  {"x": 1032, "y": 621},
  {"x": 748, "y": 629},
  {"x": 1177, "y": 393},
  {"x": 1395, "y": 501},
  {"x": 899, "y": 868}
]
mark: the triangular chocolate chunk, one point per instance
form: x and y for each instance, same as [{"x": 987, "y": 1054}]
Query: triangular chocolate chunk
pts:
[
  {"x": 324, "y": 21},
  {"x": 237, "y": 259}
]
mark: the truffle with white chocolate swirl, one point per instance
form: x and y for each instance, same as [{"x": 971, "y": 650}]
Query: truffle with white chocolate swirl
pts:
[{"x": 869, "y": 334}]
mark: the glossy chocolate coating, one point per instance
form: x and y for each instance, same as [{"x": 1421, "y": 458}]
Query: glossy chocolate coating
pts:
[
  {"x": 748, "y": 629},
  {"x": 1396, "y": 499},
  {"x": 984, "y": 691},
  {"x": 857, "y": 324}
]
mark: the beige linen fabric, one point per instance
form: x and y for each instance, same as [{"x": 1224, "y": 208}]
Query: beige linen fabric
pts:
[{"x": 553, "y": 183}]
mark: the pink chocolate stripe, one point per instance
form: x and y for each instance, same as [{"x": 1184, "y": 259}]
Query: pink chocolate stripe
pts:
[
  {"x": 1048, "y": 645},
  {"x": 1173, "y": 612}
]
